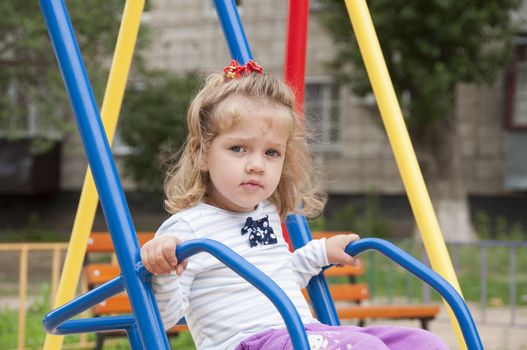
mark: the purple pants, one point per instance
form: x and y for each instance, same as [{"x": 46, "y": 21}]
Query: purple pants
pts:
[{"x": 323, "y": 337}]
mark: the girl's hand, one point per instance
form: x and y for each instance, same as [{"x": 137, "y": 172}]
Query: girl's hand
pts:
[
  {"x": 335, "y": 246},
  {"x": 159, "y": 256}
]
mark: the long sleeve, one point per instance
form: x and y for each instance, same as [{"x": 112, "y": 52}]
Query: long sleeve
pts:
[
  {"x": 172, "y": 291},
  {"x": 172, "y": 298},
  {"x": 309, "y": 260},
  {"x": 220, "y": 307}
]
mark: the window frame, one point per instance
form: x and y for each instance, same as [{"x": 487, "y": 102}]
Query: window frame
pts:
[{"x": 327, "y": 144}]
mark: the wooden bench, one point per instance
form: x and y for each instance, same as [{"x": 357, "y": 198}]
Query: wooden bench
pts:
[
  {"x": 349, "y": 295},
  {"x": 353, "y": 293},
  {"x": 99, "y": 272}
]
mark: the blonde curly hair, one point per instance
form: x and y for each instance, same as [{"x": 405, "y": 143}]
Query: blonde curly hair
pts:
[{"x": 186, "y": 184}]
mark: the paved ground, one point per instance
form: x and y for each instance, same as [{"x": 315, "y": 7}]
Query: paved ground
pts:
[
  {"x": 493, "y": 337},
  {"x": 499, "y": 335}
]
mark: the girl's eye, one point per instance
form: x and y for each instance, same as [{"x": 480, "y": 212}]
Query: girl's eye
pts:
[
  {"x": 237, "y": 149},
  {"x": 272, "y": 153}
]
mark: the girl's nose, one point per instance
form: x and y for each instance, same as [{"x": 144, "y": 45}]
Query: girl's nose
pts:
[{"x": 255, "y": 164}]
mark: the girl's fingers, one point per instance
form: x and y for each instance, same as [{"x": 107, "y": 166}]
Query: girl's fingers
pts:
[
  {"x": 181, "y": 267},
  {"x": 145, "y": 258},
  {"x": 350, "y": 260},
  {"x": 148, "y": 258},
  {"x": 336, "y": 246},
  {"x": 152, "y": 262},
  {"x": 159, "y": 256},
  {"x": 347, "y": 259},
  {"x": 351, "y": 238},
  {"x": 158, "y": 261},
  {"x": 169, "y": 253}
]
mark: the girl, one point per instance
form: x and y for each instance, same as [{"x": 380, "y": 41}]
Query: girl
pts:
[{"x": 245, "y": 165}]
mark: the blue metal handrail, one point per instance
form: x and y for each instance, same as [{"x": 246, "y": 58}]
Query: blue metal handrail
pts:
[
  {"x": 56, "y": 322},
  {"x": 449, "y": 293},
  {"x": 55, "y": 318}
]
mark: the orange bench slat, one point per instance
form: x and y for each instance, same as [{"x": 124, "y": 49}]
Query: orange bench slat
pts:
[
  {"x": 102, "y": 241},
  {"x": 389, "y": 311},
  {"x": 118, "y": 304},
  {"x": 100, "y": 273},
  {"x": 178, "y": 328},
  {"x": 324, "y": 234},
  {"x": 349, "y": 292},
  {"x": 337, "y": 271}
]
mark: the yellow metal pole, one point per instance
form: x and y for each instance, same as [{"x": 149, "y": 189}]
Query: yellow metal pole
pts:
[
  {"x": 111, "y": 106},
  {"x": 402, "y": 147}
]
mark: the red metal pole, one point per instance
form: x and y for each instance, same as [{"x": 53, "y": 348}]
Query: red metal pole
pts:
[
  {"x": 295, "y": 60},
  {"x": 295, "y": 56}
]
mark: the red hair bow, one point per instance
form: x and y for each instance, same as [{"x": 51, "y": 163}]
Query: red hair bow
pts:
[
  {"x": 235, "y": 70},
  {"x": 252, "y": 66}
]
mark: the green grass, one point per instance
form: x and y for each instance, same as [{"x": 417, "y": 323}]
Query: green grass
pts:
[
  {"x": 35, "y": 334},
  {"x": 388, "y": 280},
  {"x": 181, "y": 342}
]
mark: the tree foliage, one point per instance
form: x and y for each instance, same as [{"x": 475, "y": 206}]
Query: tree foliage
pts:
[
  {"x": 30, "y": 81},
  {"x": 153, "y": 124},
  {"x": 429, "y": 47}
]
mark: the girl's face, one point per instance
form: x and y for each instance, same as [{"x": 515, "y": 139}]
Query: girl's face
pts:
[{"x": 245, "y": 160}]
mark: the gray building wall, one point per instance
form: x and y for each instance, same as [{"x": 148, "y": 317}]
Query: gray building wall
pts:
[{"x": 187, "y": 36}]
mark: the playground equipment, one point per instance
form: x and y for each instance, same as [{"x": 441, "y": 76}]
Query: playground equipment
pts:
[{"x": 144, "y": 327}]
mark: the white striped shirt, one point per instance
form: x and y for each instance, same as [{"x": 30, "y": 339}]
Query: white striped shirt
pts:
[{"x": 220, "y": 307}]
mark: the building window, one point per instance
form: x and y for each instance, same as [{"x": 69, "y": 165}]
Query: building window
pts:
[
  {"x": 516, "y": 87},
  {"x": 323, "y": 111}
]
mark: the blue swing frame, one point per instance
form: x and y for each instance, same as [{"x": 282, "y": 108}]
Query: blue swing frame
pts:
[{"x": 144, "y": 327}]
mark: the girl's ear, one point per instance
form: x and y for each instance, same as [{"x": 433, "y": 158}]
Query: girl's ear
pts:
[
  {"x": 203, "y": 165},
  {"x": 202, "y": 160}
]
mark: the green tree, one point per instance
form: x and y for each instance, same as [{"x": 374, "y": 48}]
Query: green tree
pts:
[
  {"x": 33, "y": 100},
  {"x": 430, "y": 47},
  {"x": 153, "y": 125},
  {"x": 32, "y": 96}
]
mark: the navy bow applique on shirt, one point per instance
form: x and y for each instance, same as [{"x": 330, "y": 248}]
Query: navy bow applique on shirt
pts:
[{"x": 260, "y": 233}]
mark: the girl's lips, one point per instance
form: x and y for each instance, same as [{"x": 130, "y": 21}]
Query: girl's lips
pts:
[{"x": 252, "y": 185}]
